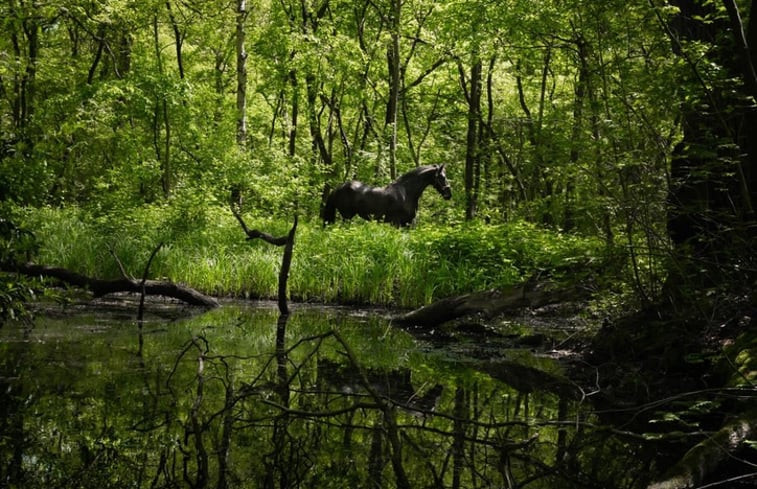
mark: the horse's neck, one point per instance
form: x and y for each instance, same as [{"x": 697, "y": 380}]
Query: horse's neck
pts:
[{"x": 416, "y": 184}]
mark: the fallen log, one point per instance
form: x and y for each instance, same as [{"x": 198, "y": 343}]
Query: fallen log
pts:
[
  {"x": 524, "y": 378},
  {"x": 101, "y": 287},
  {"x": 491, "y": 303},
  {"x": 704, "y": 458}
]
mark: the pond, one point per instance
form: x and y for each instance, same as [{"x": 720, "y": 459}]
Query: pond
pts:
[{"x": 238, "y": 397}]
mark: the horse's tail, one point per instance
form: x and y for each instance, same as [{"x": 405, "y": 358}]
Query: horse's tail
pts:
[{"x": 329, "y": 209}]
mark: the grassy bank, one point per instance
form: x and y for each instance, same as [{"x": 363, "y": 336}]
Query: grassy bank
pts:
[{"x": 358, "y": 262}]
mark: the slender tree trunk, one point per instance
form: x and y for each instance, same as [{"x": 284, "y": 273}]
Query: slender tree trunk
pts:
[
  {"x": 530, "y": 131},
  {"x": 241, "y": 73},
  {"x": 745, "y": 50},
  {"x": 292, "y": 137},
  {"x": 392, "y": 108},
  {"x": 415, "y": 149},
  {"x": 320, "y": 149},
  {"x": 125, "y": 42},
  {"x": 487, "y": 138},
  {"x": 16, "y": 102},
  {"x": 375, "y": 460},
  {"x": 549, "y": 184},
  {"x": 161, "y": 112},
  {"x": 178, "y": 39},
  {"x": 578, "y": 110},
  {"x": 220, "y": 61},
  {"x": 541, "y": 183},
  {"x": 472, "y": 154},
  {"x": 227, "y": 430},
  {"x": 750, "y": 142},
  {"x": 31, "y": 28},
  {"x": 458, "y": 442},
  {"x": 100, "y": 38},
  {"x": 25, "y": 51}
]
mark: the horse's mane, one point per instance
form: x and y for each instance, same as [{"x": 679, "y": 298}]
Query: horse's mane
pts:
[{"x": 415, "y": 172}]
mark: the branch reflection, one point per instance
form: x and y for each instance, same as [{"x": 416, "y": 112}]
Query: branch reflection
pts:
[{"x": 247, "y": 405}]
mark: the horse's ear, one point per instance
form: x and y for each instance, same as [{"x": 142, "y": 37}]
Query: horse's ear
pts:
[{"x": 441, "y": 168}]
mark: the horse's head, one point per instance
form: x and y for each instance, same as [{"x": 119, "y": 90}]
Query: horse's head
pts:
[{"x": 441, "y": 184}]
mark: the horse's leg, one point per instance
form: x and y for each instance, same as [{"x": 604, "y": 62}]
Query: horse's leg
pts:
[
  {"x": 329, "y": 210},
  {"x": 339, "y": 200},
  {"x": 404, "y": 219},
  {"x": 345, "y": 204},
  {"x": 347, "y": 213}
]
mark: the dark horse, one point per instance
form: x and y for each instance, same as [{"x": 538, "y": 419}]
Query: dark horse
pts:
[{"x": 396, "y": 203}]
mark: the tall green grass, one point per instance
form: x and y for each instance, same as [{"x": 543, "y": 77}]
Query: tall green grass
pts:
[{"x": 357, "y": 262}]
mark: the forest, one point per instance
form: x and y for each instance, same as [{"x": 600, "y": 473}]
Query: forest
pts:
[{"x": 598, "y": 159}]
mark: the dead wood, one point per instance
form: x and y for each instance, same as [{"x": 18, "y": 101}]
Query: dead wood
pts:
[
  {"x": 254, "y": 233},
  {"x": 287, "y": 241},
  {"x": 703, "y": 459},
  {"x": 529, "y": 379},
  {"x": 286, "y": 262},
  {"x": 491, "y": 303},
  {"x": 141, "y": 311},
  {"x": 101, "y": 287}
]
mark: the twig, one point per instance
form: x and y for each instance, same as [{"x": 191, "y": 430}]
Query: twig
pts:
[
  {"x": 140, "y": 313},
  {"x": 118, "y": 262},
  {"x": 254, "y": 233}
]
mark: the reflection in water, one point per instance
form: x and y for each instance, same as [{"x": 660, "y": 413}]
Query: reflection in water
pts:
[{"x": 239, "y": 398}]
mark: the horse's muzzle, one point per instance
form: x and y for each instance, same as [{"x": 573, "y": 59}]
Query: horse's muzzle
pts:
[{"x": 447, "y": 193}]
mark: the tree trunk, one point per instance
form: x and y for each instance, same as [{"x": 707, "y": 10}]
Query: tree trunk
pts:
[
  {"x": 292, "y": 136},
  {"x": 580, "y": 90},
  {"x": 458, "y": 441},
  {"x": 178, "y": 39},
  {"x": 320, "y": 149},
  {"x": 100, "y": 38},
  {"x": 25, "y": 43},
  {"x": 704, "y": 458},
  {"x": 241, "y": 74},
  {"x": 375, "y": 460},
  {"x": 392, "y": 106},
  {"x": 31, "y": 28},
  {"x": 472, "y": 154},
  {"x": 710, "y": 213},
  {"x": 161, "y": 112}
]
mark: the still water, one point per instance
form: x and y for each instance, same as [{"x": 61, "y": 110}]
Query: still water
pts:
[{"x": 238, "y": 397}]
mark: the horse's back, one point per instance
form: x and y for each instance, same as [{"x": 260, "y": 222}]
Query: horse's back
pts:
[{"x": 346, "y": 199}]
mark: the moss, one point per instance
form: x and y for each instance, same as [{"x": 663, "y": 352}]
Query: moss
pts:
[{"x": 740, "y": 360}]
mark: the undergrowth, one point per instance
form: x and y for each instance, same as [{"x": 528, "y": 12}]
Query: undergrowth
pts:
[{"x": 357, "y": 262}]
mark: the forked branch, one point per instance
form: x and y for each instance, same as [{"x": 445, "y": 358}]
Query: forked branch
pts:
[{"x": 287, "y": 241}]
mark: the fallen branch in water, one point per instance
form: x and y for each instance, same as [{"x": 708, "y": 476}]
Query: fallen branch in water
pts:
[
  {"x": 101, "y": 287},
  {"x": 491, "y": 303}
]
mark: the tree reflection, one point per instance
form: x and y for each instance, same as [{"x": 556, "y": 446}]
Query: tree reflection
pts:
[{"x": 311, "y": 409}]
